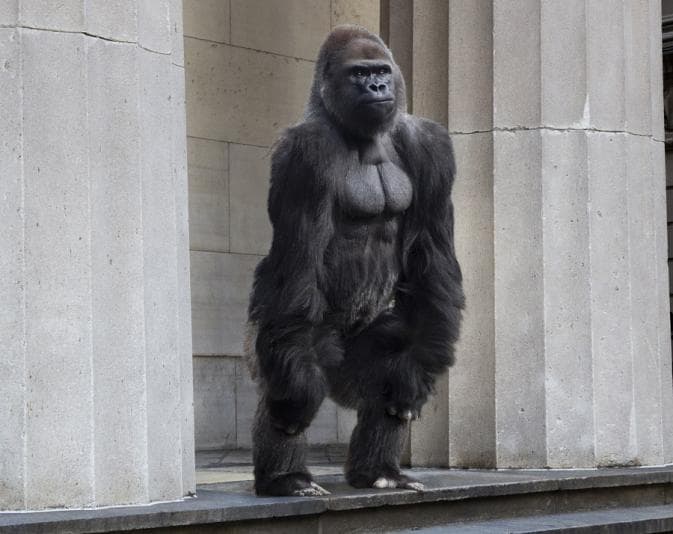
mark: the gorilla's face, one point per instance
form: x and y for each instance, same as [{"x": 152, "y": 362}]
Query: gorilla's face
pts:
[
  {"x": 359, "y": 88},
  {"x": 369, "y": 85}
]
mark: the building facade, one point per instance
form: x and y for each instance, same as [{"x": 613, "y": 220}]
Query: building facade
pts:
[{"x": 133, "y": 175}]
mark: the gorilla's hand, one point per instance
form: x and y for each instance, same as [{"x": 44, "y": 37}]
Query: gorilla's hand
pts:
[{"x": 405, "y": 390}]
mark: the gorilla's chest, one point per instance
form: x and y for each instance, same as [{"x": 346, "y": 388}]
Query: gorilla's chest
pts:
[{"x": 371, "y": 189}]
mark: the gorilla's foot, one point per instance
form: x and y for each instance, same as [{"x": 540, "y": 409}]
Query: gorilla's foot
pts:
[
  {"x": 290, "y": 484},
  {"x": 382, "y": 479}
]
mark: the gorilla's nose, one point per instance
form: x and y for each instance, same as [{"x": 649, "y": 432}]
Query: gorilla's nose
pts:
[{"x": 378, "y": 87}]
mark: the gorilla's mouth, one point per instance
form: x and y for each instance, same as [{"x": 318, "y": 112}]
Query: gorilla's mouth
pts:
[{"x": 375, "y": 101}]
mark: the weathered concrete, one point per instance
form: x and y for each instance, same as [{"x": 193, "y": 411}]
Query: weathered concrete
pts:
[
  {"x": 255, "y": 24},
  {"x": 207, "y": 19},
  {"x": 96, "y": 320},
  {"x": 451, "y": 497},
  {"x": 208, "y": 195}
]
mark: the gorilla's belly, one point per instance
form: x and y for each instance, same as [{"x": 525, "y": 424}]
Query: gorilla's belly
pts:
[
  {"x": 370, "y": 190},
  {"x": 363, "y": 267}
]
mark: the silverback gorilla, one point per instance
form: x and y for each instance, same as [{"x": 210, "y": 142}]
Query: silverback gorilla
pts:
[{"x": 360, "y": 295}]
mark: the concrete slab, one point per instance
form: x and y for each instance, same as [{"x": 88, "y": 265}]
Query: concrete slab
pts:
[
  {"x": 154, "y": 25},
  {"x": 208, "y": 195},
  {"x": 294, "y": 28},
  {"x": 207, "y": 19},
  {"x": 362, "y": 12},
  {"x": 120, "y": 440},
  {"x": 12, "y": 282},
  {"x": 451, "y": 496},
  {"x": 214, "y": 397},
  {"x": 67, "y": 15},
  {"x": 470, "y": 66},
  {"x": 113, "y": 19}
]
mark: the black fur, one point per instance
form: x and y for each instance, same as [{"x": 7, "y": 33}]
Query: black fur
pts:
[{"x": 360, "y": 296}]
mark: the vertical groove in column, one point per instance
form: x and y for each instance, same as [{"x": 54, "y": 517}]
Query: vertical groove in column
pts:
[
  {"x": 117, "y": 286},
  {"x": 12, "y": 279},
  {"x": 470, "y": 108},
  {"x": 519, "y": 294},
  {"x": 160, "y": 279},
  {"x": 656, "y": 67},
  {"x": 58, "y": 270},
  {"x": 567, "y": 321},
  {"x": 646, "y": 364}
]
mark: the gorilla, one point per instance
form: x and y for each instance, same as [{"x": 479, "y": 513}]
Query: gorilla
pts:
[{"x": 360, "y": 296}]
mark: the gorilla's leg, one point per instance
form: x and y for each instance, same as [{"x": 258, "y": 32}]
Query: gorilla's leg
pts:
[
  {"x": 280, "y": 459},
  {"x": 375, "y": 448}
]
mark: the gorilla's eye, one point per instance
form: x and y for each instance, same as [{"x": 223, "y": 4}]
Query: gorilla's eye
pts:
[
  {"x": 384, "y": 70},
  {"x": 359, "y": 72}
]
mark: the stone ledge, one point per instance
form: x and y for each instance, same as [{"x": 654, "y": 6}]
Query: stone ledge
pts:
[{"x": 451, "y": 495}]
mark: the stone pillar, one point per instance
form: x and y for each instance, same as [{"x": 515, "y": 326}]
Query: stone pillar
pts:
[
  {"x": 555, "y": 110},
  {"x": 95, "y": 327}
]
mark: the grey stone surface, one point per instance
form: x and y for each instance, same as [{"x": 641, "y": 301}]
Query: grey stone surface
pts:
[
  {"x": 57, "y": 270},
  {"x": 208, "y": 195},
  {"x": 323, "y": 429},
  {"x": 656, "y": 66},
  {"x": 207, "y": 19},
  {"x": 12, "y": 282},
  {"x": 184, "y": 294},
  {"x": 120, "y": 440},
  {"x": 294, "y": 28},
  {"x": 112, "y": 19},
  {"x": 635, "y": 519},
  {"x": 362, "y": 12},
  {"x": 238, "y": 108},
  {"x": 346, "y": 421},
  {"x": 249, "y": 172},
  {"x": 67, "y": 15},
  {"x": 246, "y": 404},
  {"x": 450, "y": 496},
  {"x": 472, "y": 378},
  {"x": 643, "y": 292},
  {"x": 177, "y": 37},
  {"x": 9, "y": 12},
  {"x": 612, "y": 368},
  {"x": 470, "y": 76},
  {"x": 663, "y": 302},
  {"x": 637, "y": 70},
  {"x": 563, "y": 66},
  {"x": 517, "y": 57},
  {"x": 567, "y": 349},
  {"x": 154, "y": 25},
  {"x": 160, "y": 279},
  {"x": 220, "y": 288},
  {"x": 430, "y": 60},
  {"x": 605, "y": 79},
  {"x": 215, "y": 402},
  {"x": 519, "y": 293}
]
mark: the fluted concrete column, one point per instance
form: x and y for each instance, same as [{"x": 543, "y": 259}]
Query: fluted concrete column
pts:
[
  {"x": 555, "y": 110},
  {"x": 417, "y": 33},
  {"x": 95, "y": 377},
  {"x": 556, "y": 116}
]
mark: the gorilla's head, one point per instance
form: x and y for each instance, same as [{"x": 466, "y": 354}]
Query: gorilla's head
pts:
[{"x": 357, "y": 82}]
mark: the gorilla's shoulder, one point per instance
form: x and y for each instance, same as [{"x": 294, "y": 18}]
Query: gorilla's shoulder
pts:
[
  {"x": 426, "y": 147},
  {"x": 413, "y": 130},
  {"x": 310, "y": 139}
]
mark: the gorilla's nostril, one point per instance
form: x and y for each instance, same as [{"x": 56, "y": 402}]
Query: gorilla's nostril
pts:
[{"x": 374, "y": 87}]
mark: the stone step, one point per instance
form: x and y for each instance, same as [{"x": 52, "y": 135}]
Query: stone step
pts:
[
  {"x": 452, "y": 499},
  {"x": 616, "y": 520}
]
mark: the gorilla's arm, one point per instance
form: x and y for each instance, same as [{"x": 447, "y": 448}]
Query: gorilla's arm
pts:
[
  {"x": 287, "y": 303},
  {"x": 430, "y": 298}
]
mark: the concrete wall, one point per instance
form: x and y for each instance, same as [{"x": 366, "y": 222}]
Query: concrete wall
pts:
[
  {"x": 249, "y": 66},
  {"x": 95, "y": 374}
]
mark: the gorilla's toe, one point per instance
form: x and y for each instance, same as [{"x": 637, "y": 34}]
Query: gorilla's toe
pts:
[{"x": 313, "y": 491}]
